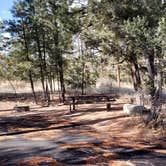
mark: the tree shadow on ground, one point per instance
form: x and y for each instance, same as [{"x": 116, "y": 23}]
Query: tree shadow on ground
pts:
[
  {"x": 39, "y": 130},
  {"x": 91, "y": 122},
  {"x": 38, "y": 122},
  {"x": 82, "y": 112},
  {"x": 47, "y": 121},
  {"x": 84, "y": 155},
  {"x": 79, "y": 147},
  {"x": 28, "y": 121}
]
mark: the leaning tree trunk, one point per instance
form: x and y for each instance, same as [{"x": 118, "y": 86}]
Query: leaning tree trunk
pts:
[
  {"x": 158, "y": 93},
  {"x": 32, "y": 86},
  {"x": 135, "y": 73},
  {"x": 151, "y": 79},
  {"x": 155, "y": 88},
  {"x": 136, "y": 78}
]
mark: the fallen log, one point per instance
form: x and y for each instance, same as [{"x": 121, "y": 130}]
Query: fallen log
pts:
[{"x": 21, "y": 108}]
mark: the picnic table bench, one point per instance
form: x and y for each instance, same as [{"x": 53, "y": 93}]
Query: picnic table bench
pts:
[{"x": 80, "y": 99}]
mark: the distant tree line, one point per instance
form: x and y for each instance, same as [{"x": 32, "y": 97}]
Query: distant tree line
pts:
[{"x": 68, "y": 41}]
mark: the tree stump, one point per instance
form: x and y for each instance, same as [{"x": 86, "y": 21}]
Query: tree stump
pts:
[{"x": 21, "y": 108}]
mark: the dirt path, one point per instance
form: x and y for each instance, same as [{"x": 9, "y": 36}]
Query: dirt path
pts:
[{"x": 90, "y": 136}]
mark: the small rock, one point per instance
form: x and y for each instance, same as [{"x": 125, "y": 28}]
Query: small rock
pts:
[{"x": 133, "y": 109}]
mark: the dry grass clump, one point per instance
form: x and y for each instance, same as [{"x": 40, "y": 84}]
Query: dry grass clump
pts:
[{"x": 158, "y": 122}]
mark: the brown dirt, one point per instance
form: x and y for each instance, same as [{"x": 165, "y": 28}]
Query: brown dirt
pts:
[
  {"x": 114, "y": 130},
  {"x": 39, "y": 161}
]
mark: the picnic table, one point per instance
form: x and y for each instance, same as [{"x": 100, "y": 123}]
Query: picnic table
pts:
[{"x": 79, "y": 99}]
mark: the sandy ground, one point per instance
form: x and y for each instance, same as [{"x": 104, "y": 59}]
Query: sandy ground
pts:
[{"x": 89, "y": 136}]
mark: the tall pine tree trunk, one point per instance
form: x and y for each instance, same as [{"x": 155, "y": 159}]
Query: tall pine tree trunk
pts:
[
  {"x": 60, "y": 65},
  {"x": 81, "y": 54},
  {"x": 42, "y": 67},
  {"x": 61, "y": 78},
  {"x": 32, "y": 86},
  {"x": 28, "y": 59},
  {"x": 59, "y": 91},
  {"x": 83, "y": 79},
  {"x": 45, "y": 69},
  {"x": 118, "y": 75}
]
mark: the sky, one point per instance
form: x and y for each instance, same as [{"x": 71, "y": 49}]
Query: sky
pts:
[{"x": 5, "y": 6}]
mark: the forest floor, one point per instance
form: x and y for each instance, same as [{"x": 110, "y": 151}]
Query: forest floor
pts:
[{"x": 51, "y": 136}]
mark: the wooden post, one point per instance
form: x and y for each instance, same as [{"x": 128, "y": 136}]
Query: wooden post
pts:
[
  {"x": 72, "y": 104},
  {"x": 108, "y": 105}
]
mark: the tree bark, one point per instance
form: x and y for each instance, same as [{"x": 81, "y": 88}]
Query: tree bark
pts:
[
  {"x": 54, "y": 85},
  {"x": 83, "y": 79},
  {"x": 135, "y": 73},
  {"x": 151, "y": 79},
  {"x": 28, "y": 59},
  {"x": 59, "y": 91},
  {"x": 45, "y": 69},
  {"x": 155, "y": 88},
  {"x": 32, "y": 86},
  {"x": 59, "y": 64},
  {"x": 61, "y": 78},
  {"x": 118, "y": 75},
  {"x": 81, "y": 52},
  {"x": 51, "y": 84},
  {"x": 42, "y": 66},
  {"x": 136, "y": 78}
]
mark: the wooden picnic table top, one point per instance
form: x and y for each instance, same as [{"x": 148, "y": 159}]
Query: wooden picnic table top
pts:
[{"x": 95, "y": 97}]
